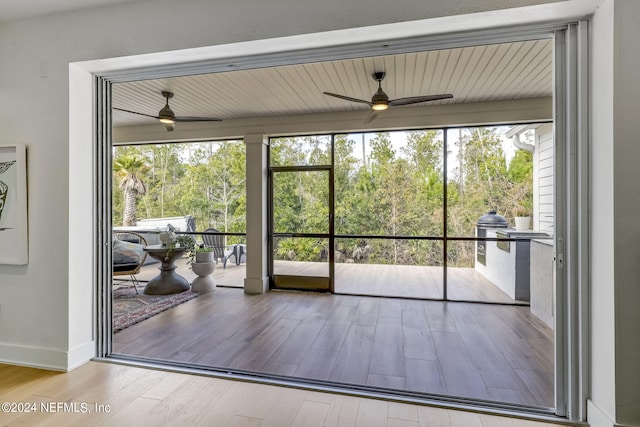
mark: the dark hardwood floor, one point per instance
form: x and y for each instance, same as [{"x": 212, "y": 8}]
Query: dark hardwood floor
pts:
[
  {"x": 404, "y": 281},
  {"x": 482, "y": 351}
]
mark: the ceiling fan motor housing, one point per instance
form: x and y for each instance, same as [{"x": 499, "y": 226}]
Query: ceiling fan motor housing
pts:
[
  {"x": 166, "y": 115},
  {"x": 380, "y": 100}
]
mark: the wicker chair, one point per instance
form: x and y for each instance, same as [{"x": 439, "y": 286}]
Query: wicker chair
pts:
[{"x": 130, "y": 268}]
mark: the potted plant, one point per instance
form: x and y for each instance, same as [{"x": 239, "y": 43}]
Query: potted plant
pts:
[
  {"x": 203, "y": 265},
  {"x": 201, "y": 261},
  {"x": 168, "y": 236},
  {"x": 522, "y": 219},
  {"x": 188, "y": 243},
  {"x": 203, "y": 254}
]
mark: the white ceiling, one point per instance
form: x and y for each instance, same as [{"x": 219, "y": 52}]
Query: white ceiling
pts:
[
  {"x": 472, "y": 74},
  {"x": 13, "y": 10}
]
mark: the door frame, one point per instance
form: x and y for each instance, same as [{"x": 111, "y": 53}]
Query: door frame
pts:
[
  {"x": 571, "y": 119},
  {"x": 299, "y": 282}
]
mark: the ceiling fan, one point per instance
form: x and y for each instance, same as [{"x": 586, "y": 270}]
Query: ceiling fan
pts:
[
  {"x": 380, "y": 101},
  {"x": 168, "y": 117}
]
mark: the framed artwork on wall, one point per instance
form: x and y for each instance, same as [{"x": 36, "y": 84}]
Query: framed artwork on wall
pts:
[{"x": 13, "y": 205}]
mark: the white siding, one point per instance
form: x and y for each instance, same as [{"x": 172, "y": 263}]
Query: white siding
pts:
[{"x": 543, "y": 215}]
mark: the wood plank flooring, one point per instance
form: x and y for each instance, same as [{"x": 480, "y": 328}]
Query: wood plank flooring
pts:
[
  {"x": 406, "y": 281},
  {"x": 481, "y": 351},
  {"x": 130, "y": 396}
]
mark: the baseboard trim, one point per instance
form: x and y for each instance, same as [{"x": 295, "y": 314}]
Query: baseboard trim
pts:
[
  {"x": 47, "y": 358},
  {"x": 596, "y": 417},
  {"x": 81, "y": 354},
  {"x": 33, "y": 357},
  {"x": 256, "y": 286}
]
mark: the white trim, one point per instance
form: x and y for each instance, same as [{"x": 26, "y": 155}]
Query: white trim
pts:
[
  {"x": 583, "y": 219},
  {"x": 571, "y": 221},
  {"x": 597, "y": 417},
  {"x": 81, "y": 262},
  {"x": 560, "y": 123},
  {"x": 35, "y": 357},
  {"x": 80, "y": 355},
  {"x": 256, "y": 280},
  {"x": 256, "y": 286},
  {"x": 172, "y": 63},
  {"x": 48, "y": 358},
  {"x": 402, "y": 37}
]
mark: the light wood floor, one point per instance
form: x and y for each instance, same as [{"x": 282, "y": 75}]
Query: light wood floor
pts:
[
  {"x": 491, "y": 352},
  {"x": 144, "y": 397}
]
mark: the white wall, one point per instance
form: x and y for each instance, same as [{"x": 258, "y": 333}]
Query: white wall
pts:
[
  {"x": 46, "y": 307},
  {"x": 615, "y": 232},
  {"x": 626, "y": 231},
  {"x": 602, "y": 344}
]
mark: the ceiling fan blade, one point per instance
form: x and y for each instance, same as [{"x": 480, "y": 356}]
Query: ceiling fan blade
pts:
[
  {"x": 372, "y": 116},
  {"x": 177, "y": 119},
  {"x": 196, "y": 119},
  {"x": 135, "y": 112},
  {"x": 418, "y": 99},
  {"x": 347, "y": 98}
]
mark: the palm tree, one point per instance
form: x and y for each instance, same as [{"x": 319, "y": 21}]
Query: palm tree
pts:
[{"x": 128, "y": 169}]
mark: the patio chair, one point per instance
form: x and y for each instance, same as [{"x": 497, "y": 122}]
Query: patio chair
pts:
[
  {"x": 128, "y": 255},
  {"x": 220, "y": 250}
]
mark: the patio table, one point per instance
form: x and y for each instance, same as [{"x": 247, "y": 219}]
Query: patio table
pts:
[{"x": 168, "y": 281}]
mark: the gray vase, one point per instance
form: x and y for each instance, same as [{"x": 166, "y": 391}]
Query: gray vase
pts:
[{"x": 204, "y": 256}]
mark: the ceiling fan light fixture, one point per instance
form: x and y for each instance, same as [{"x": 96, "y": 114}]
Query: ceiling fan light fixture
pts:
[
  {"x": 379, "y": 100},
  {"x": 166, "y": 115}
]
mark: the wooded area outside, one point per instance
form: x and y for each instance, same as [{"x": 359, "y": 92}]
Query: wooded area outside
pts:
[
  {"x": 203, "y": 179},
  {"x": 392, "y": 184},
  {"x": 386, "y": 184}
]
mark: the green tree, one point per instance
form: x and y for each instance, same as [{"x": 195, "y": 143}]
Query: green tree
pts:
[
  {"x": 483, "y": 178},
  {"x": 520, "y": 175},
  {"x": 166, "y": 172},
  {"x": 383, "y": 186},
  {"x": 213, "y": 186},
  {"x": 481, "y": 184},
  {"x": 129, "y": 170}
]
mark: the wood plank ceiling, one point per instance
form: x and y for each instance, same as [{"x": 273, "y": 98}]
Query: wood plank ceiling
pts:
[{"x": 472, "y": 74}]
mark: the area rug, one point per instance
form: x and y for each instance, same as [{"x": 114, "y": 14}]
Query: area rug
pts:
[{"x": 130, "y": 308}]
